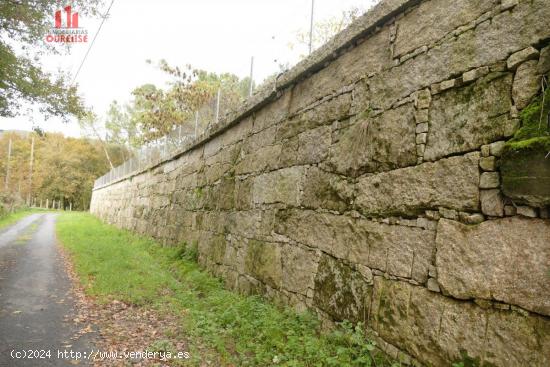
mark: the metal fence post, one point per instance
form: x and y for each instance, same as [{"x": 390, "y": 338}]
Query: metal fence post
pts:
[
  {"x": 311, "y": 27},
  {"x": 196, "y": 122},
  {"x": 251, "y": 75},
  {"x": 218, "y": 105}
]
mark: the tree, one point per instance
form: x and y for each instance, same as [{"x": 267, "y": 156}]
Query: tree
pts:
[
  {"x": 155, "y": 111},
  {"x": 120, "y": 126},
  {"x": 23, "y": 26},
  {"x": 64, "y": 168},
  {"x": 80, "y": 163}
]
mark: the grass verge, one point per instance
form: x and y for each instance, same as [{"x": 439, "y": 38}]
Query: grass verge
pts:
[
  {"x": 11, "y": 218},
  {"x": 236, "y": 330}
]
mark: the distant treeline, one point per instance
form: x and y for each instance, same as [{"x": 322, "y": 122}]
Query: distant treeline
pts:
[{"x": 63, "y": 169}]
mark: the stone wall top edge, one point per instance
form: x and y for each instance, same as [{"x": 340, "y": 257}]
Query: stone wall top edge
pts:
[{"x": 376, "y": 16}]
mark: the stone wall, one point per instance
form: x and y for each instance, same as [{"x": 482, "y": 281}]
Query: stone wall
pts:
[{"x": 366, "y": 185}]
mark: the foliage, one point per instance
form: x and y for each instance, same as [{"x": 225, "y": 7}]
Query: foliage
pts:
[
  {"x": 466, "y": 360},
  {"x": 189, "y": 252},
  {"x": 64, "y": 168},
  {"x": 10, "y": 202},
  {"x": 121, "y": 128},
  {"x": 534, "y": 119},
  {"x": 23, "y": 25},
  {"x": 91, "y": 127},
  {"x": 155, "y": 111},
  {"x": 534, "y": 132},
  {"x": 232, "y": 329}
]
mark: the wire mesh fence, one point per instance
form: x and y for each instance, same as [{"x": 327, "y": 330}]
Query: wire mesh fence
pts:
[
  {"x": 209, "y": 114},
  {"x": 181, "y": 134}
]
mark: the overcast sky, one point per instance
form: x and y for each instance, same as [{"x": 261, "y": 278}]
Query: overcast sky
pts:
[{"x": 215, "y": 35}]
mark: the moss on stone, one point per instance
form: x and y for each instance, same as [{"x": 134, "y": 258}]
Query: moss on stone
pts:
[
  {"x": 217, "y": 248},
  {"x": 534, "y": 134},
  {"x": 467, "y": 361},
  {"x": 536, "y": 144},
  {"x": 532, "y": 126},
  {"x": 263, "y": 261},
  {"x": 199, "y": 192},
  {"x": 340, "y": 290},
  {"x": 524, "y": 169},
  {"x": 365, "y": 114}
]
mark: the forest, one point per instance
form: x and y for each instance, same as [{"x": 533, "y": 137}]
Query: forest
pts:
[{"x": 42, "y": 167}]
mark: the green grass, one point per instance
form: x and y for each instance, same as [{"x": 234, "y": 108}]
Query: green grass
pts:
[
  {"x": 239, "y": 330},
  {"x": 11, "y": 218},
  {"x": 534, "y": 133}
]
